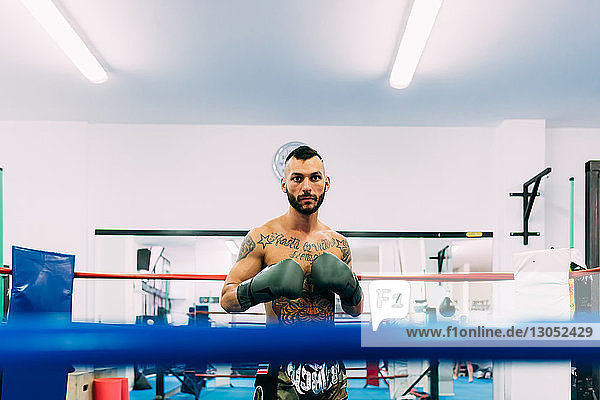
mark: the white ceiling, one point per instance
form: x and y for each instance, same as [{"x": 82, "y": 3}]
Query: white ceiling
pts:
[{"x": 315, "y": 62}]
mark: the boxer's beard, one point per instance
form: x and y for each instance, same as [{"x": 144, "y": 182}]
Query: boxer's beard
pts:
[{"x": 295, "y": 203}]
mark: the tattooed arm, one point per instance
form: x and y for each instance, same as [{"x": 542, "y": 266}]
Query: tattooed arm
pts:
[
  {"x": 346, "y": 256},
  {"x": 248, "y": 264}
]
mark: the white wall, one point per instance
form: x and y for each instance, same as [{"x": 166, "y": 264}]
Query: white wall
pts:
[
  {"x": 45, "y": 181},
  {"x": 44, "y": 186},
  {"x": 567, "y": 151},
  {"x": 220, "y": 176}
]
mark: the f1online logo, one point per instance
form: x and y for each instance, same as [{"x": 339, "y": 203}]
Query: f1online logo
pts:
[{"x": 389, "y": 300}]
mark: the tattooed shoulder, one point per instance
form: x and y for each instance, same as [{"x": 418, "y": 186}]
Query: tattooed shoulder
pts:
[
  {"x": 344, "y": 247},
  {"x": 246, "y": 247}
]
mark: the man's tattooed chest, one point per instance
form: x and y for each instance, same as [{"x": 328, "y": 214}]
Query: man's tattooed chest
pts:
[
  {"x": 313, "y": 306},
  {"x": 278, "y": 246}
]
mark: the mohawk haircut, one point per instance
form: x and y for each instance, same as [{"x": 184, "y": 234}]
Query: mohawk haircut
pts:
[{"x": 303, "y": 153}]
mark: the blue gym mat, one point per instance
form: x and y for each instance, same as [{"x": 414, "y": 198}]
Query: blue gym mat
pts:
[{"x": 480, "y": 389}]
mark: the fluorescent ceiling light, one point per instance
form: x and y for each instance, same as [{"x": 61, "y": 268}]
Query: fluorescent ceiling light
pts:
[
  {"x": 233, "y": 248},
  {"x": 419, "y": 25},
  {"x": 67, "y": 39}
]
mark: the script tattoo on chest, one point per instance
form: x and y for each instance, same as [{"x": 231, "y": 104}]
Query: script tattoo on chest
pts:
[
  {"x": 246, "y": 247},
  {"x": 278, "y": 239},
  {"x": 301, "y": 251},
  {"x": 311, "y": 250}
]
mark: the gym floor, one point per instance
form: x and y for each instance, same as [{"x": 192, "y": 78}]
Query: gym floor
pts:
[{"x": 479, "y": 389}]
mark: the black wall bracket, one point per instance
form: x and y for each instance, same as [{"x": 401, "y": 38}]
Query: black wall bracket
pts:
[{"x": 528, "y": 199}]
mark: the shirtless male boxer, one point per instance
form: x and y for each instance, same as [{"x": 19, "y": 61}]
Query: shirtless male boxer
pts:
[{"x": 295, "y": 265}]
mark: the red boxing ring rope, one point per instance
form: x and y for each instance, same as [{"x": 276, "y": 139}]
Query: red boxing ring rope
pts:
[
  {"x": 584, "y": 272},
  {"x": 471, "y": 277}
]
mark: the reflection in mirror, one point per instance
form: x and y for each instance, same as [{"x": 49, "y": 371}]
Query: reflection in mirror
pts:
[{"x": 214, "y": 255}]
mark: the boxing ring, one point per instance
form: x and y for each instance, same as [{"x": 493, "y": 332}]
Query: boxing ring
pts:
[
  {"x": 51, "y": 341},
  {"x": 126, "y": 338}
]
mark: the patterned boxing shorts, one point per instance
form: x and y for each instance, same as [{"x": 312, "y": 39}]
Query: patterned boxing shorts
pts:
[{"x": 302, "y": 381}]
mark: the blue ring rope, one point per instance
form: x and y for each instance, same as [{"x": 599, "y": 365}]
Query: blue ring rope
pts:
[{"x": 84, "y": 343}]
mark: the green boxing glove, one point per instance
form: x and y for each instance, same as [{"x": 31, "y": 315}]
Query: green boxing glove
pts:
[
  {"x": 331, "y": 273},
  {"x": 283, "y": 279}
]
